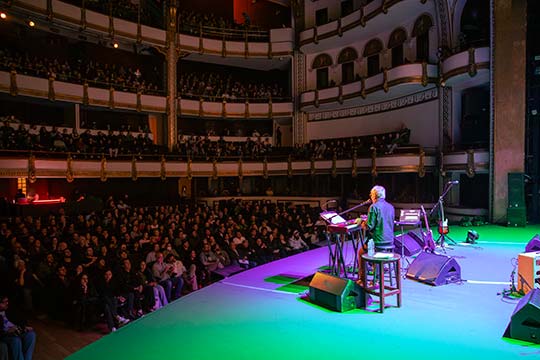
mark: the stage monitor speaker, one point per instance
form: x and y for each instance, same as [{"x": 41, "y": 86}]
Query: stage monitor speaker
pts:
[
  {"x": 516, "y": 216},
  {"x": 434, "y": 269},
  {"x": 534, "y": 244},
  {"x": 335, "y": 293},
  {"x": 525, "y": 322},
  {"x": 409, "y": 242},
  {"x": 516, "y": 190}
]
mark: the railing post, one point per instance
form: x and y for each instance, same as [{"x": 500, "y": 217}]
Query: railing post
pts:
[
  {"x": 246, "y": 44},
  {"x": 139, "y": 32},
  {"x": 83, "y": 15},
  {"x": 111, "y": 20}
]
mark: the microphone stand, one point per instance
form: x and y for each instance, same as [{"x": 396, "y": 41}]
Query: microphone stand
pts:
[
  {"x": 367, "y": 202},
  {"x": 440, "y": 205}
]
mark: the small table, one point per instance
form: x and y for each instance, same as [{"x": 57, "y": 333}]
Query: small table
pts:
[{"x": 379, "y": 288}]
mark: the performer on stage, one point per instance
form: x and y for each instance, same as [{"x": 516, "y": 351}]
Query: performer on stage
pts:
[{"x": 379, "y": 224}]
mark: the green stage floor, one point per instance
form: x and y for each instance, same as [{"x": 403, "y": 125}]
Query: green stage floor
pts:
[{"x": 251, "y": 315}]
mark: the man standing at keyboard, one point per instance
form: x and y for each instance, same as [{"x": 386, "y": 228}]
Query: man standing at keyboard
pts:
[{"x": 379, "y": 224}]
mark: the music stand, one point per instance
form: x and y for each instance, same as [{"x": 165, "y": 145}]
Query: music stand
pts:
[
  {"x": 336, "y": 260},
  {"x": 407, "y": 217},
  {"x": 440, "y": 204}
]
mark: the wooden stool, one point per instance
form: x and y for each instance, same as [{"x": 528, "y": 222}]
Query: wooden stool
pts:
[{"x": 379, "y": 289}]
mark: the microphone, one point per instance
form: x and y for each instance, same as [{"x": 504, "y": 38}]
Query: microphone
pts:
[
  {"x": 328, "y": 202},
  {"x": 364, "y": 203},
  {"x": 453, "y": 182}
]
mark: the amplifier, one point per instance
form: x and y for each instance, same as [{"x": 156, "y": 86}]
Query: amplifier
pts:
[{"x": 529, "y": 271}]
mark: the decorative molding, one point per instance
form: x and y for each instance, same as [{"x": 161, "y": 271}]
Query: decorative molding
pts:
[
  {"x": 446, "y": 116},
  {"x": 422, "y": 164},
  {"x": 442, "y": 170},
  {"x": 103, "y": 169},
  {"x": 138, "y": 107},
  {"x": 13, "y": 89},
  {"x": 32, "y": 169},
  {"x": 134, "y": 174},
  {"x": 443, "y": 23},
  {"x": 374, "y": 163},
  {"x": 424, "y": 74},
  {"x": 240, "y": 170},
  {"x": 189, "y": 171},
  {"x": 111, "y": 98},
  {"x": 471, "y": 169},
  {"x": 413, "y": 99},
  {"x": 69, "y": 169},
  {"x": 289, "y": 167},
  {"x": 83, "y": 18},
  {"x": 51, "y": 95},
  {"x": 85, "y": 98},
  {"x": 163, "y": 169},
  {"x": 265, "y": 168},
  {"x": 472, "y": 63}
]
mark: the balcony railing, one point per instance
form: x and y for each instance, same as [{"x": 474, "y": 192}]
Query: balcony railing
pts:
[
  {"x": 17, "y": 84},
  {"x": 470, "y": 62},
  {"x": 418, "y": 75},
  {"x": 225, "y": 33},
  {"x": 248, "y": 43}
]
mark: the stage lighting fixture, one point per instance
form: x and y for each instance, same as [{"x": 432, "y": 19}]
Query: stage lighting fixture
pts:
[
  {"x": 472, "y": 236},
  {"x": 31, "y": 23},
  {"x": 115, "y": 45},
  {"x": 3, "y": 15}
]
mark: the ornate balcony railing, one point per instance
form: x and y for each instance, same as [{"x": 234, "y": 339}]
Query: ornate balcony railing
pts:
[
  {"x": 416, "y": 76},
  {"x": 16, "y": 84}
]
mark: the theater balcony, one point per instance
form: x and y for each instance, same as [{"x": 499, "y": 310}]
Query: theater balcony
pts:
[
  {"x": 368, "y": 21},
  {"x": 469, "y": 162},
  {"x": 469, "y": 67},
  {"x": 204, "y": 40},
  {"x": 392, "y": 83},
  {"x": 16, "y": 84},
  {"x": 16, "y": 164}
]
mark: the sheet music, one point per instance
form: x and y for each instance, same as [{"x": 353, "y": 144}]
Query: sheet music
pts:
[{"x": 333, "y": 217}]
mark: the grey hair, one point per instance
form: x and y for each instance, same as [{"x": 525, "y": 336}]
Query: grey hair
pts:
[{"x": 380, "y": 191}]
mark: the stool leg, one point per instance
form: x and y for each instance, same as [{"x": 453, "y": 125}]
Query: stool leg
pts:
[
  {"x": 363, "y": 273},
  {"x": 381, "y": 288},
  {"x": 390, "y": 265},
  {"x": 398, "y": 282}
]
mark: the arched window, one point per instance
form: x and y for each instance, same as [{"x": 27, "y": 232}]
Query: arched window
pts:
[
  {"x": 395, "y": 43},
  {"x": 346, "y": 59},
  {"x": 421, "y": 33},
  {"x": 372, "y": 52},
  {"x": 321, "y": 64},
  {"x": 474, "y": 24}
]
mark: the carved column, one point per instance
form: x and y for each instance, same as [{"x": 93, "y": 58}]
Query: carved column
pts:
[
  {"x": 299, "y": 121},
  {"x": 508, "y": 96},
  {"x": 444, "y": 22},
  {"x": 445, "y": 115},
  {"x": 172, "y": 59}
]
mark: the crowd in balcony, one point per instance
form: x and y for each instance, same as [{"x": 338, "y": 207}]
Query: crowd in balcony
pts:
[
  {"x": 201, "y": 147},
  {"x": 221, "y": 86},
  {"x": 15, "y": 135},
  {"x": 104, "y": 75},
  {"x": 191, "y": 21},
  {"x": 125, "y": 261},
  {"x": 211, "y": 86},
  {"x": 151, "y": 12},
  {"x": 344, "y": 148},
  {"x": 89, "y": 143}
]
